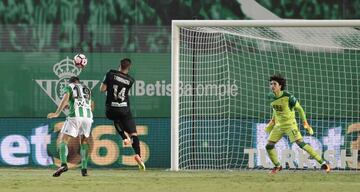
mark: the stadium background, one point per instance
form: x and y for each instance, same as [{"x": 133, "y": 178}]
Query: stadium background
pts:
[{"x": 37, "y": 35}]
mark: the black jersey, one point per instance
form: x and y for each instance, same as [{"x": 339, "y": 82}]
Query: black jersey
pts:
[{"x": 118, "y": 86}]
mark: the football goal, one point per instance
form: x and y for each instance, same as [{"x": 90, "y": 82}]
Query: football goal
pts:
[{"x": 220, "y": 83}]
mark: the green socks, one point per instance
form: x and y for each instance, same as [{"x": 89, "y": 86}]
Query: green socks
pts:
[
  {"x": 84, "y": 152},
  {"x": 63, "y": 150}
]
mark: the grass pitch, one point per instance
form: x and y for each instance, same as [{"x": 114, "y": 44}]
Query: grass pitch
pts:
[{"x": 104, "y": 180}]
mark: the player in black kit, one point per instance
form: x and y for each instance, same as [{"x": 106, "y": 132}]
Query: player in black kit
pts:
[{"x": 117, "y": 84}]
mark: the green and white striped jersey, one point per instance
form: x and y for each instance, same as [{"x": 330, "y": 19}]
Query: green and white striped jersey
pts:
[{"x": 79, "y": 100}]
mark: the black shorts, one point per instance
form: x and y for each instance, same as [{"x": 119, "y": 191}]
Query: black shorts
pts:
[{"x": 123, "y": 116}]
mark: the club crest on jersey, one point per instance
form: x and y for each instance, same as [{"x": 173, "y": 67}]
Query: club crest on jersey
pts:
[{"x": 63, "y": 70}]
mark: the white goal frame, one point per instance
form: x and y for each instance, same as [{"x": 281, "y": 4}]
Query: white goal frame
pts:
[{"x": 175, "y": 51}]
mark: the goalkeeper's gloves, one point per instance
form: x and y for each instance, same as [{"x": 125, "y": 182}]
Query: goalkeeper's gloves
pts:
[
  {"x": 269, "y": 127},
  {"x": 308, "y": 128}
]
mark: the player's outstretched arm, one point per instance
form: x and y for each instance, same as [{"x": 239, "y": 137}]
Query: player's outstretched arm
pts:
[
  {"x": 103, "y": 87},
  {"x": 64, "y": 101},
  {"x": 301, "y": 112},
  {"x": 92, "y": 105}
]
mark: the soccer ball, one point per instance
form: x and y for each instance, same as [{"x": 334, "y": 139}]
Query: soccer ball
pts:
[{"x": 80, "y": 60}]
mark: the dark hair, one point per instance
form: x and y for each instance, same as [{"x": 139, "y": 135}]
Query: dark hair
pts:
[
  {"x": 125, "y": 63},
  {"x": 74, "y": 79},
  {"x": 280, "y": 79}
]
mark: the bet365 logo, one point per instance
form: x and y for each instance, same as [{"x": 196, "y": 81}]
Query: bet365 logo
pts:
[{"x": 64, "y": 69}]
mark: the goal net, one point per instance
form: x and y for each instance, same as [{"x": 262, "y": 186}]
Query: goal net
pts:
[{"x": 220, "y": 83}]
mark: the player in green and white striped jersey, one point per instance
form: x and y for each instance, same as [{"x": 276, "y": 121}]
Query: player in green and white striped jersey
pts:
[
  {"x": 79, "y": 100},
  {"x": 78, "y": 123}
]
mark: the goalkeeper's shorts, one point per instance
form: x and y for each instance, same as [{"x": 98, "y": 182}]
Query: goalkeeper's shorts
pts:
[{"x": 291, "y": 131}]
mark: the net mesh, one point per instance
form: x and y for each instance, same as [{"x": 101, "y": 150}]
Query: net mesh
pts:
[{"x": 224, "y": 81}]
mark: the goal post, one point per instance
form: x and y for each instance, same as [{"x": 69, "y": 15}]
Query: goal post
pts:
[
  {"x": 220, "y": 73},
  {"x": 175, "y": 31}
]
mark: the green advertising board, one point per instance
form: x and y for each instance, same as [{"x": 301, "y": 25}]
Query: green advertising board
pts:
[
  {"x": 33, "y": 142},
  {"x": 33, "y": 82}
]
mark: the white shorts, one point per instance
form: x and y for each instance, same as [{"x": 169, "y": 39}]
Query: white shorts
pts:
[{"x": 75, "y": 126}]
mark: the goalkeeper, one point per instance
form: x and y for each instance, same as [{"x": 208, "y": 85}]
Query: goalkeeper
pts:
[{"x": 283, "y": 122}]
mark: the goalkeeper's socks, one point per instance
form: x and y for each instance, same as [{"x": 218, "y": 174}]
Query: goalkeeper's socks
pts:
[
  {"x": 273, "y": 156},
  {"x": 63, "y": 150},
  {"x": 84, "y": 149},
  {"x": 312, "y": 153}
]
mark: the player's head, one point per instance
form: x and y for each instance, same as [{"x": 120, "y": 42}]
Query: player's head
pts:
[
  {"x": 277, "y": 79},
  {"x": 125, "y": 64},
  {"x": 74, "y": 79}
]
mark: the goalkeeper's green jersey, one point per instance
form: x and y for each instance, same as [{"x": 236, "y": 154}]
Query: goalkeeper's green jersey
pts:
[
  {"x": 283, "y": 109},
  {"x": 79, "y": 100}
]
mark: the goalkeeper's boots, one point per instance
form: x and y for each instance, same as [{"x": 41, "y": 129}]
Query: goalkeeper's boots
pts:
[
  {"x": 84, "y": 172},
  {"x": 140, "y": 163},
  {"x": 325, "y": 167},
  {"x": 63, "y": 168},
  {"x": 276, "y": 169}
]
